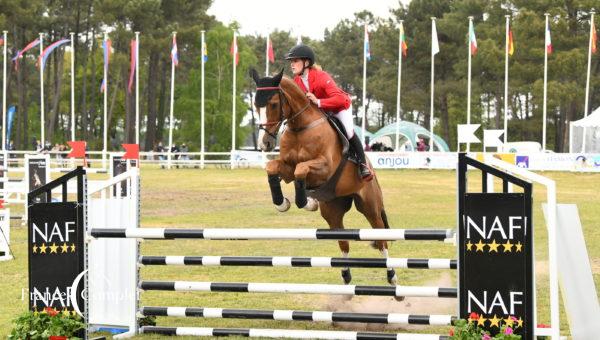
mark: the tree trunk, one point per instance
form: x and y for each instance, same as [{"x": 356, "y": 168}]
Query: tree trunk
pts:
[
  {"x": 51, "y": 123},
  {"x": 162, "y": 100},
  {"x": 111, "y": 136},
  {"x": 151, "y": 123}
]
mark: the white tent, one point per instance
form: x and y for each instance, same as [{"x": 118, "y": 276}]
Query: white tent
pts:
[{"x": 585, "y": 134}]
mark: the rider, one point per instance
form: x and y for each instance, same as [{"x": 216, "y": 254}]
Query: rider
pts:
[{"x": 321, "y": 90}]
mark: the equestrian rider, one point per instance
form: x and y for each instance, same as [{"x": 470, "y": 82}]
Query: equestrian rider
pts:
[{"x": 321, "y": 90}]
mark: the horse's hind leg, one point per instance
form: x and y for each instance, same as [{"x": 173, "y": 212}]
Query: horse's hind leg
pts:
[{"x": 333, "y": 212}]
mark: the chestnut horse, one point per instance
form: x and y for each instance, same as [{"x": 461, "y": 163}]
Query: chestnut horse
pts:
[{"x": 310, "y": 152}]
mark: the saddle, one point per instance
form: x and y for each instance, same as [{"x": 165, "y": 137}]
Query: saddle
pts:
[{"x": 326, "y": 191}]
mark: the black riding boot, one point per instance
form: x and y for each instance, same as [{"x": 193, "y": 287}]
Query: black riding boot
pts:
[{"x": 363, "y": 168}]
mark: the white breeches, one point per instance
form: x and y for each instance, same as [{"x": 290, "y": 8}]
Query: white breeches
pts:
[{"x": 345, "y": 116}]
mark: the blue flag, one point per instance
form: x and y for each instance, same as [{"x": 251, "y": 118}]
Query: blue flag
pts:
[{"x": 9, "y": 119}]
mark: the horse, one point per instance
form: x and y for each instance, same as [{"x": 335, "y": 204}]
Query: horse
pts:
[{"x": 310, "y": 155}]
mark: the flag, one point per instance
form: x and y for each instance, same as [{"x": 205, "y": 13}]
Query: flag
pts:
[
  {"x": 367, "y": 49},
  {"x": 234, "y": 50},
  {"x": 133, "y": 63},
  {"x": 594, "y": 38},
  {"x": 174, "y": 52},
  {"x": 132, "y": 151},
  {"x": 106, "y": 46},
  {"x": 204, "y": 53},
  {"x": 435, "y": 46},
  {"x": 270, "y": 53},
  {"x": 49, "y": 49},
  {"x": 403, "y": 44},
  {"x": 77, "y": 149},
  {"x": 511, "y": 44},
  {"x": 1, "y": 41},
  {"x": 472, "y": 39},
  {"x": 21, "y": 52},
  {"x": 548, "y": 40},
  {"x": 9, "y": 119}
]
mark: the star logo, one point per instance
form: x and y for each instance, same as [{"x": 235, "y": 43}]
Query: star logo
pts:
[
  {"x": 53, "y": 248},
  {"x": 34, "y": 249},
  {"x": 43, "y": 248},
  {"x": 64, "y": 248},
  {"x": 493, "y": 246},
  {"x": 495, "y": 321},
  {"x": 479, "y": 246},
  {"x": 72, "y": 247},
  {"x": 518, "y": 246},
  {"x": 469, "y": 245},
  {"x": 509, "y": 321},
  {"x": 520, "y": 322},
  {"x": 507, "y": 246},
  {"x": 481, "y": 321}
]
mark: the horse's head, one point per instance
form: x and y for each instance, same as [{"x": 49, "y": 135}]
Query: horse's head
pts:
[{"x": 269, "y": 104}]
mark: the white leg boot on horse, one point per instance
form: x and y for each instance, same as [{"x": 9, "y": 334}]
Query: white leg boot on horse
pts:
[
  {"x": 281, "y": 203},
  {"x": 300, "y": 174}
]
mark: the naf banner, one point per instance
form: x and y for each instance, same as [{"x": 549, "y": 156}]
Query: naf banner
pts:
[
  {"x": 495, "y": 272},
  {"x": 56, "y": 256}
]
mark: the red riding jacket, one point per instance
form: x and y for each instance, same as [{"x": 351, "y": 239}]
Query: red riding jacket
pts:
[{"x": 331, "y": 98}]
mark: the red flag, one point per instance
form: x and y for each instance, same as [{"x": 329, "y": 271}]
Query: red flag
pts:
[
  {"x": 234, "y": 50},
  {"x": 134, "y": 52},
  {"x": 77, "y": 149},
  {"x": 594, "y": 38},
  {"x": 1, "y": 204},
  {"x": 1, "y": 41},
  {"x": 270, "y": 53},
  {"x": 132, "y": 151}
]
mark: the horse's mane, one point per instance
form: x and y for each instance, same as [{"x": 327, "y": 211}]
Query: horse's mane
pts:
[{"x": 292, "y": 88}]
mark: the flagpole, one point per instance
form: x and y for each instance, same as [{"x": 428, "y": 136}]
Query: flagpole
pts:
[
  {"x": 364, "y": 89},
  {"x": 4, "y": 96},
  {"x": 432, "y": 88},
  {"x": 587, "y": 83},
  {"x": 41, "y": 90},
  {"x": 267, "y": 58},
  {"x": 235, "y": 52},
  {"x": 72, "y": 86},
  {"x": 545, "y": 84},
  {"x": 137, "y": 88},
  {"x": 202, "y": 102},
  {"x": 171, "y": 105},
  {"x": 105, "y": 134},
  {"x": 506, "y": 50},
  {"x": 469, "y": 78},
  {"x": 399, "y": 85}
]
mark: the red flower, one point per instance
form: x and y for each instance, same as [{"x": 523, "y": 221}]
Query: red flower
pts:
[
  {"x": 51, "y": 311},
  {"x": 508, "y": 330},
  {"x": 451, "y": 333},
  {"x": 473, "y": 316}
]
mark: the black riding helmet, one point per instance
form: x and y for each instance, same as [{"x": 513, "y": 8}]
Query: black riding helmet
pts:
[{"x": 301, "y": 52}]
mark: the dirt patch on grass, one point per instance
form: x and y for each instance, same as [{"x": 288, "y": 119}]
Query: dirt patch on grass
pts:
[{"x": 377, "y": 304}]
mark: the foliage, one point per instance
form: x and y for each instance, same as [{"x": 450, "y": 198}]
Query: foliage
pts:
[{"x": 38, "y": 326}]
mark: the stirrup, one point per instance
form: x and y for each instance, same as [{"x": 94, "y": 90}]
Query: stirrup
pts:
[{"x": 367, "y": 175}]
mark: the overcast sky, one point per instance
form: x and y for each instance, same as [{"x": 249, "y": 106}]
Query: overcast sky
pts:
[{"x": 305, "y": 17}]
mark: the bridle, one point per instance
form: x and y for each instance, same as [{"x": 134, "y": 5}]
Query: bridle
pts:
[{"x": 282, "y": 120}]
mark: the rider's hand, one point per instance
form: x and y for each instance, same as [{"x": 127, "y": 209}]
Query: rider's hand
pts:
[{"x": 312, "y": 98}]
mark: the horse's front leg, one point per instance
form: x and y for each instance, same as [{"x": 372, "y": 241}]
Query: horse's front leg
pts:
[
  {"x": 276, "y": 170},
  {"x": 314, "y": 166}
]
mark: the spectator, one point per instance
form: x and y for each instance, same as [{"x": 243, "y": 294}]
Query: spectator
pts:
[
  {"x": 421, "y": 146},
  {"x": 184, "y": 150},
  {"x": 367, "y": 144}
]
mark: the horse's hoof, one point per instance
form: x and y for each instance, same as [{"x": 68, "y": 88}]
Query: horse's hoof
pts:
[
  {"x": 285, "y": 206},
  {"x": 347, "y": 276},
  {"x": 391, "y": 277},
  {"x": 311, "y": 204}
]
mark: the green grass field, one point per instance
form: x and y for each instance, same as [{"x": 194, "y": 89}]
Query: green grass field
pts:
[{"x": 189, "y": 198}]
